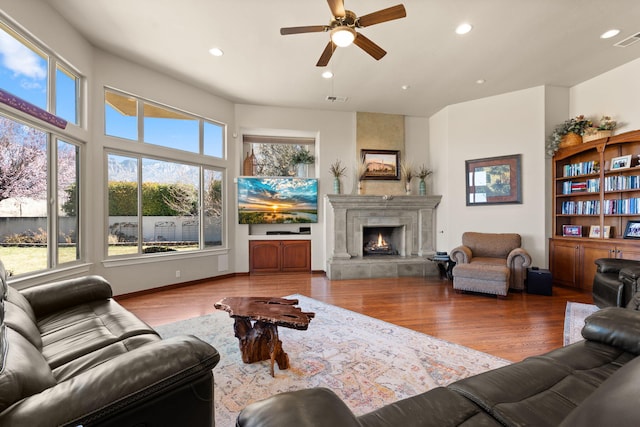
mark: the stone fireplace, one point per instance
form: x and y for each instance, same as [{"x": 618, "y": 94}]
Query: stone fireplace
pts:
[{"x": 407, "y": 223}]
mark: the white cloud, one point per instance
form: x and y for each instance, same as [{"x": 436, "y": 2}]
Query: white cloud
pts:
[{"x": 19, "y": 59}]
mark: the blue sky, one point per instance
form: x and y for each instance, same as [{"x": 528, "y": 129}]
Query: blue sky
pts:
[{"x": 24, "y": 73}]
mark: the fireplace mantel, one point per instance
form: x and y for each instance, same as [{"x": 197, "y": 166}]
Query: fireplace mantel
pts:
[{"x": 348, "y": 214}]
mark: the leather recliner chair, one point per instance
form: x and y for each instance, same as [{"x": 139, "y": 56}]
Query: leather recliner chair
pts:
[{"x": 615, "y": 282}]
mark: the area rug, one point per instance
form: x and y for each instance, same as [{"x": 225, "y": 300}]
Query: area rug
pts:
[
  {"x": 574, "y": 316},
  {"x": 367, "y": 362}
]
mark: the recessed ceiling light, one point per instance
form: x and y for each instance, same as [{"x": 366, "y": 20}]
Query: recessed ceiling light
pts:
[
  {"x": 463, "y": 28},
  {"x": 216, "y": 51},
  {"x": 405, "y": 87},
  {"x": 480, "y": 81},
  {"x": 611, "y": 33},
  {"x": 327, "y": 74}
]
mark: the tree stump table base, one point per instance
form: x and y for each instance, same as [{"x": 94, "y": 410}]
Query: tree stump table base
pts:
[{"x": 259, "y": 340}]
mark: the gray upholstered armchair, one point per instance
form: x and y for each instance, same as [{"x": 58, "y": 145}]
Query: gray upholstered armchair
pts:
[{"x": 495, "y": 249}]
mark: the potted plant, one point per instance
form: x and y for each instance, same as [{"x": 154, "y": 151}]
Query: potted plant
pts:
[
  {"x": 568, "y": 133},
  {"x": 302, "y": 159},
  {"x": 603, "y": 130},
  {"x": 337, "y": 170},
  {"x": 423, "y": 172}
]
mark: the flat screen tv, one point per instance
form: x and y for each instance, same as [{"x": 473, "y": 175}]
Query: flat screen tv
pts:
[{"x": 277, "y": 200}]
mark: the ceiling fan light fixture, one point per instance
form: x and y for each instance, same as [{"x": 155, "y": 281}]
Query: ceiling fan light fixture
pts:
[{"x": 343, "y": 36}]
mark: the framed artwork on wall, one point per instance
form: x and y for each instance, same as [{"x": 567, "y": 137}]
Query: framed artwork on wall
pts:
[
  {"x": 381, "y": 164},
  {"x": 494, "y": 180}
]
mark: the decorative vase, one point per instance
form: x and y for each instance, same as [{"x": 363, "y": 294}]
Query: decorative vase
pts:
[
  {"x": 570, "y": 140},
  {"x": 336, "y": 185},
  {"x": 422, "y": 187},
  {"x": 360, "y": 189},
  {"x": 303, "y": 170},
  {"x": 407, "y": 188}
]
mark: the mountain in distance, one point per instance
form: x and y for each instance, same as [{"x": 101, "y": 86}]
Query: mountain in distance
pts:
[{"x": 126, "y": 169}]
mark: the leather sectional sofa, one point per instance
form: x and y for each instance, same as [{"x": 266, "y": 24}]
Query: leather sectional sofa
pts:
[
  {"x": 595, "y": 382},
  {"x": 71, "y": 355}
]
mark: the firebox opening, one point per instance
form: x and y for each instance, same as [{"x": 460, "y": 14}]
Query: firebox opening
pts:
[{"x": 381, "y": 240}]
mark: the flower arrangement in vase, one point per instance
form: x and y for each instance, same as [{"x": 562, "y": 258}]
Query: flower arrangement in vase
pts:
[
  {"x": 423, "y": 172},
  {"x": 337, "y": 170},
  {"x": 407, "y": 171}
]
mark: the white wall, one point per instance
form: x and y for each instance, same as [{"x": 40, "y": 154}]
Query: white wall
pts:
[
  {"x": 614, "y": 93},
  {"x": 512, "y": 123}
]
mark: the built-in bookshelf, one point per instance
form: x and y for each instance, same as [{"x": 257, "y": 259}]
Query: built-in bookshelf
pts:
[{"x": 596, "y": 195}]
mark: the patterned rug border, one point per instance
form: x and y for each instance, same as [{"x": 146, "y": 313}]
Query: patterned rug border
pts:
[
  {"x": 368, "y": 362},
  {"x": 574, "y": 316}
]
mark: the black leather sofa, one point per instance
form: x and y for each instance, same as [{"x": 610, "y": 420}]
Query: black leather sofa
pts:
[
  {"x": 595, "y": 382},
  {"x": 615, "y": 282},
  {"x": 72, "y": 356}
]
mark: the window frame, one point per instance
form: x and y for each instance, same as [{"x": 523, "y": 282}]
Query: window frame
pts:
[
  {"x": 52, "y": 139},
  {"x": 140, "y": 117},
  {"x": 202, "y": 167},
  {"x": 53, "y": 63}
]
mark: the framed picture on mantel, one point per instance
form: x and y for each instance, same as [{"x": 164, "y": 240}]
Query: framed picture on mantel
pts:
[
  {"x": 381, "y": 164},
  {"x": 494, "y": 180}
]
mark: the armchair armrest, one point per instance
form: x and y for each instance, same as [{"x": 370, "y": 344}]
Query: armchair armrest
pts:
[
  {"x": 54, "y": 296},
  {"x": 615, "y": 326},
  {"x": 519, "y": 257},
  {"x": 614, "y": 265},
  {"x": 118, "y": 385},
  {"x": 461, "y": 254},
  {"x": 316, "y": 407}
]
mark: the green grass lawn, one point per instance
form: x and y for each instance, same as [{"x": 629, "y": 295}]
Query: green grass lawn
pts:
[{"x": 21, "y": 260}]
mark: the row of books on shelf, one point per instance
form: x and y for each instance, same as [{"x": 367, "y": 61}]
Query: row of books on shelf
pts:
[
  {"x": 582, "y": 168},
  {"x": 613, "y": 183},
  {"x": 589, "y": 186},
  {"x": 609, "y": 207}
]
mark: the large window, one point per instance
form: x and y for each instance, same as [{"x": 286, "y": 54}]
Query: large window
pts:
[
  {"x": 158, "y": 205},
  {"x": 37, "y": 76},
  {"x": 139, "y": 120},
  {"x": 38, "y": 198}
]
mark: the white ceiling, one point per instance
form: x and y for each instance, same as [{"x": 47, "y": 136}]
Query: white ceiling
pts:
[{"x": 515, "y": 44}]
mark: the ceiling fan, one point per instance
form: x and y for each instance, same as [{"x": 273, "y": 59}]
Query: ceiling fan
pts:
[{"x": 343, "y": 29}]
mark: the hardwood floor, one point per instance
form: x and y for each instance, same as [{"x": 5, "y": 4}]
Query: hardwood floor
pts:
[{"x": 513, "y": 328}]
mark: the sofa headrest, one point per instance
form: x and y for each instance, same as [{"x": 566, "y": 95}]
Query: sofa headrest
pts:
[{"x": 494, "y": 245}]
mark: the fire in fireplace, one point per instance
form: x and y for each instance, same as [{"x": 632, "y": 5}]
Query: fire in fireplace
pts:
[{"x": 379, "y": 241}]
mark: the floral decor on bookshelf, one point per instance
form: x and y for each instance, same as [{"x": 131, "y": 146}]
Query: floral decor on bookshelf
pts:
[
  {"x": 604, "y": 129},
  {"x": 576, "y": 125}
]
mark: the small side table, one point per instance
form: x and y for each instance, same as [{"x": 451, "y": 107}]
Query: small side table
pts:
[{"x": 445, "y": 266}]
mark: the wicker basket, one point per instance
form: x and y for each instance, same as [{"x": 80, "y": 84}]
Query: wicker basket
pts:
[
  {"x": 570, "y": 140},
  {"x": 593, "y": 133}
]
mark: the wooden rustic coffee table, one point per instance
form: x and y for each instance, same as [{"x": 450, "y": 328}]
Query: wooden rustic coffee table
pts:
[{"x": 260, "y": 341}]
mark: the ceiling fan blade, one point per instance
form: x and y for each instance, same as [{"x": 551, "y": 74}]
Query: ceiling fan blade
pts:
[
  {"x": 370, "y": 47},
  {"x": 300, "y": 30},
  {"x": 384, "y": 15},
  {"x": 326, "y": 54},
  {"x": 337, "y": 8}
]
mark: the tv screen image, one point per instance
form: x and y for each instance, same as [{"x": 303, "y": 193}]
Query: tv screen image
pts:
[{"x": 275, "y": 200}]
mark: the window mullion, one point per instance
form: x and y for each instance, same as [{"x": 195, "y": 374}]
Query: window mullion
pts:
[{"x": 52, "y": 202}]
